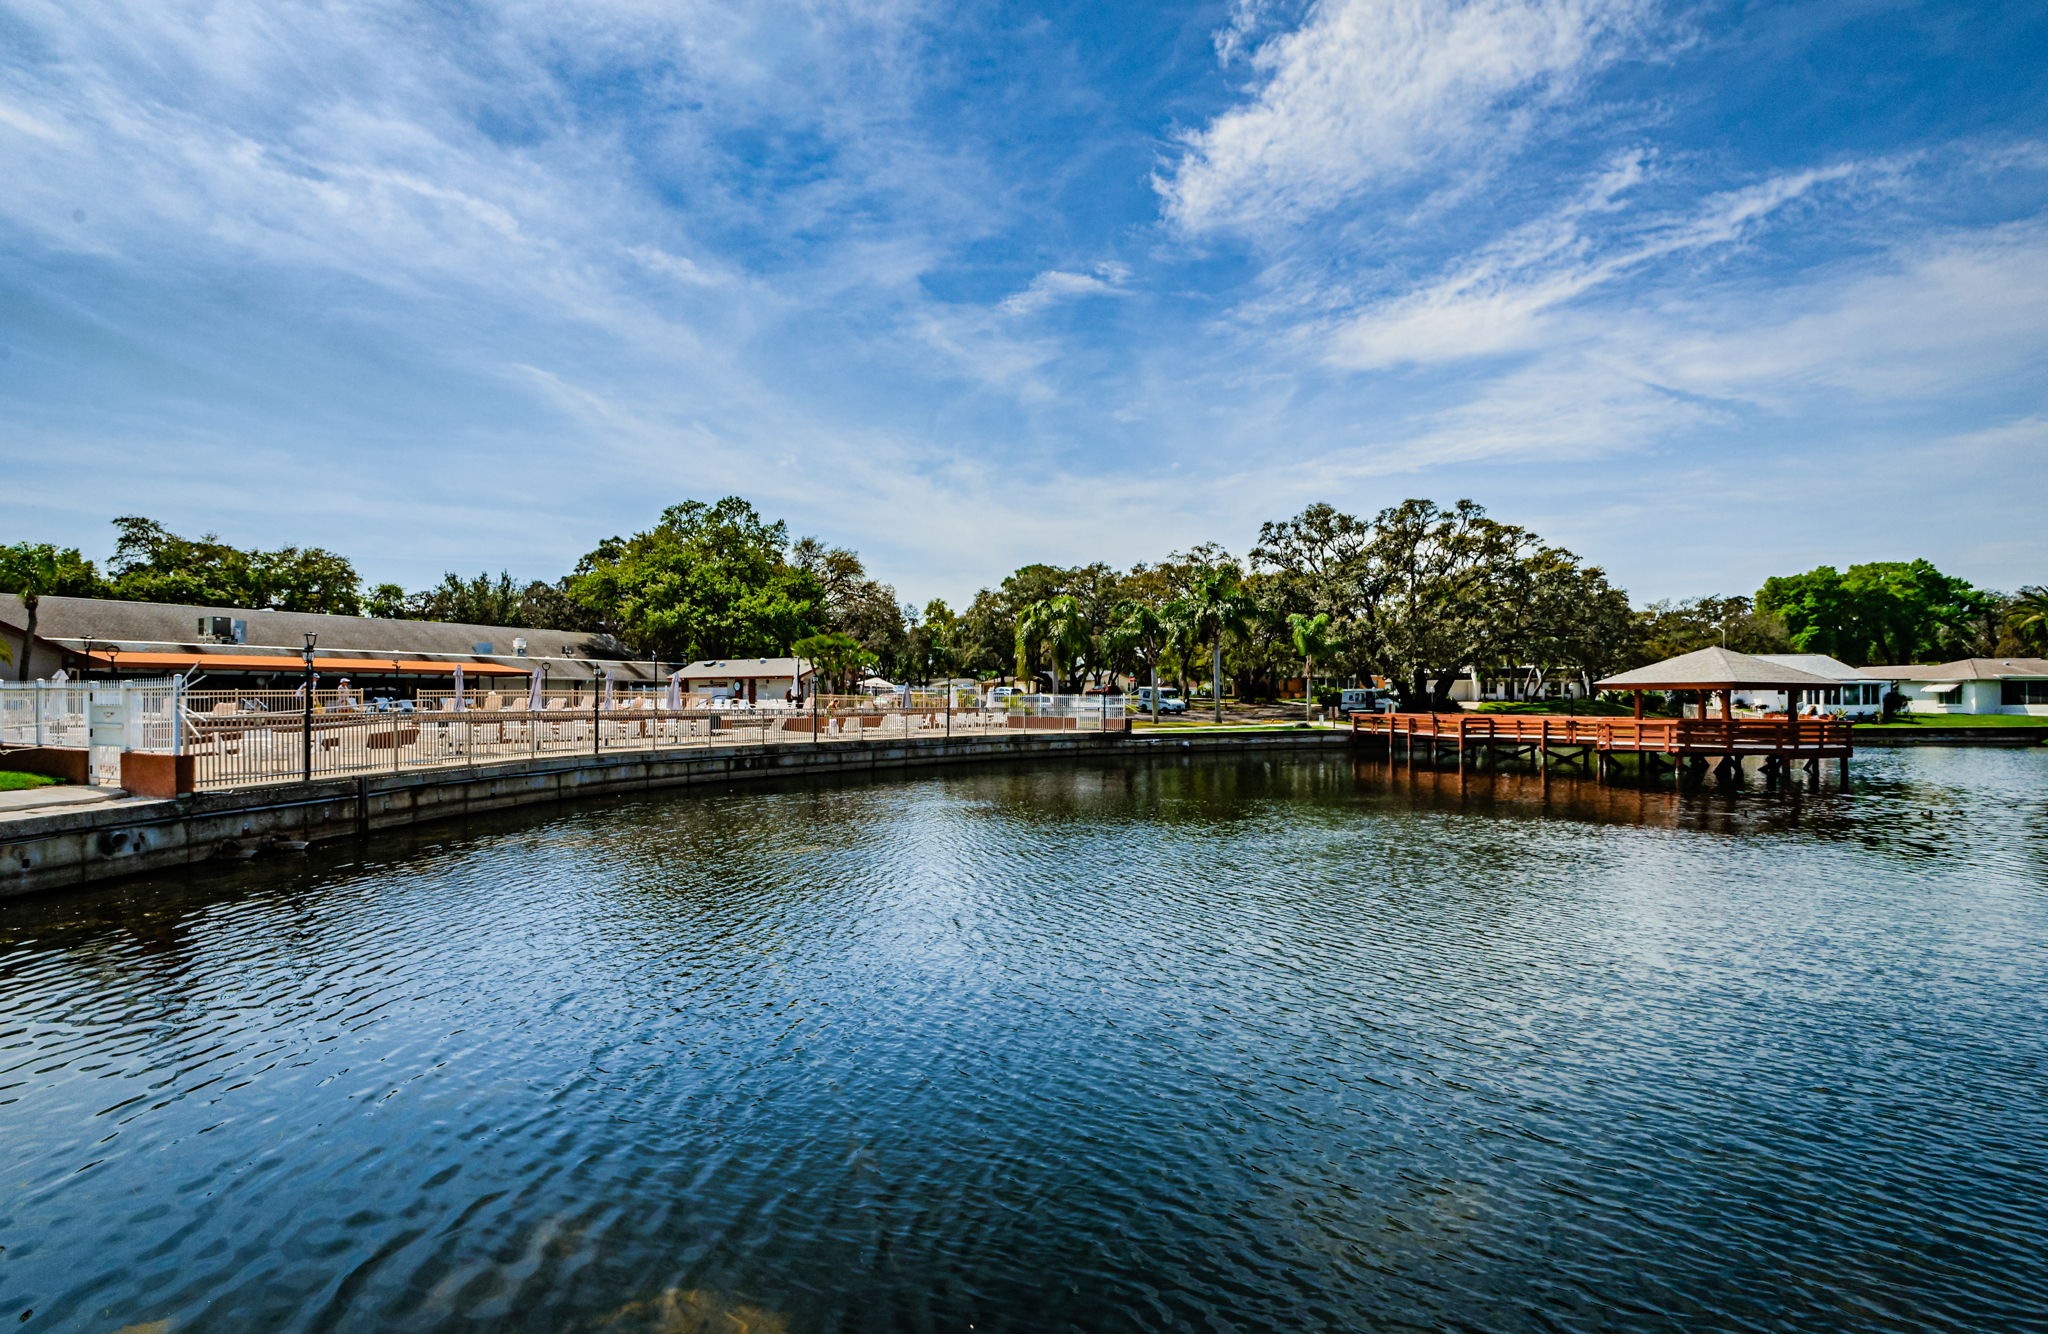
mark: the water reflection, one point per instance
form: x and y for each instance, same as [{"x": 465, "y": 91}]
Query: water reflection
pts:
[{"x": 1273, "y": 1044}]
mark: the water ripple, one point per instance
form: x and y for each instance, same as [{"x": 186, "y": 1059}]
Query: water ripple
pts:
[{"x": 1271, "y": 1044}]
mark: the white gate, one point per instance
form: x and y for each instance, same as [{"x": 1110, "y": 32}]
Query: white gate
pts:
[{"x": 103, "y": 717}]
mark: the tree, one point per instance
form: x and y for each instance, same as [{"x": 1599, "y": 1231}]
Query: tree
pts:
[
  {"x": 2026, "y": 621},
  {"x": 1436, "y": 592},
  {"x": 1057, "y": 625},
  {"x": 153, "y": 564},
  {"x": 1141, "y": 632},
  {"x": 929, "y": 638},
  {"x": 707, "y": 581},
  {"x": 1880, "y": 612},
  {"x": 852, "y": 603},
  {"x": 478, "y": 601},
  {"x": 1217, "y": 606},
  {"x": 837, "y": 658},
  {"x": 1318, "y": 556},
  {"x": 1311, "y": 639},
  {"x": 1668, "y": 629},
  {"x": 36, "y": 570},
  {"x": 386, "y": 602}
]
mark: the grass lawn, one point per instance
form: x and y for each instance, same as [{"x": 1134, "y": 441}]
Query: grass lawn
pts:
[
  {"x": 11, "y": 781},
  {"x": 1963, "y": 720}
]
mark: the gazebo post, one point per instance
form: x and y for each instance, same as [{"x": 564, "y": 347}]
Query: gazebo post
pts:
[{"x": 1639, "y": 706}]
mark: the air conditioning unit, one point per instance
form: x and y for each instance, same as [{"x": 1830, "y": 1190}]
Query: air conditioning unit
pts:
[
  {"x": 519, "y": 647},
  {"x": 240, "y": 632}
]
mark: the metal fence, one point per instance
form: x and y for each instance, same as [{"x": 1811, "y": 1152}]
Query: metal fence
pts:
[
  {"x": 245, "y": 738},
  {"x": 104, "y": 718}
]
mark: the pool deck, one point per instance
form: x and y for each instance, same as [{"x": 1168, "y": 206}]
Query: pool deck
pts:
[{"x": 62, "y": 845}]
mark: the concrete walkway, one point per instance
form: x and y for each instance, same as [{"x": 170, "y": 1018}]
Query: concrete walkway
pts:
[{"x": 43, "y": 800}]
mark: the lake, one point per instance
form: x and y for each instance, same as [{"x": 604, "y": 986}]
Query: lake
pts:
[{"x": 1238, "y": 1044}]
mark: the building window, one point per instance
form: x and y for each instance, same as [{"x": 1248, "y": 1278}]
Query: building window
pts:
[{"x": 2024, "y": 692}]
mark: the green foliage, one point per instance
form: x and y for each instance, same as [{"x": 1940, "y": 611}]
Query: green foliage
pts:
[
  {"x": 1058, "y": 626},
  {"x": 837, "y": 657},
  {"x": 708, "y": 581},
  {"x": 1311, "y": 638},
  {"x": 1881, "y": 612},
  {"x": 2026, "y": 622},
  {"x": 1667, "y": 629},
  {"x": 36, "y": 570},
  {"x": 153, "y": 564},
  {"x": 39, "y": 569}
]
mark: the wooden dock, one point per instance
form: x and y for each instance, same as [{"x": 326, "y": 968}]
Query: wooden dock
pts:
[{"x": 1598, "y": 744}]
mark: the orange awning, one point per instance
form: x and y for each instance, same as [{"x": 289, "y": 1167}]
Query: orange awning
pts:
[{"x": 267, "y": 662}]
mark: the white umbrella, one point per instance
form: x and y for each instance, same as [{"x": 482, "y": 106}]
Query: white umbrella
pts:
[
  {"x": 906, "y": 694},
  {"x": 533, "y": 695},
  {"x": 675, "y": 692},
  {"x": 60, "y": 676},
  {"x": 457, "y": 704},
  {"x": 609, "y": 675}
]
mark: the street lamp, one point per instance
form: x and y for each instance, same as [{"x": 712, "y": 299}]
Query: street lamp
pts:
[
  {"x": 306, "y": 737},
  {"x": 85, "y": 672}
]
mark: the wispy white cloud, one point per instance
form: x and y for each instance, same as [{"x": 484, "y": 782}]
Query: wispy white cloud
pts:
[
  {"x": 1369, "y": 90},
  {"x": 1503, "y": 297},
  {"x": 1057, "y": 285}
]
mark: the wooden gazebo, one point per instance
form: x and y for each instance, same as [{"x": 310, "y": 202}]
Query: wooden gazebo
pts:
[{"x": 1718, "y": 671}]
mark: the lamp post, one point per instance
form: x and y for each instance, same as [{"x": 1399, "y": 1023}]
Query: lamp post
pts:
[
  {"x": 85, "y": 671},
  {"x": 306, "y": 737},
  {"x": 596, "y": 718}
]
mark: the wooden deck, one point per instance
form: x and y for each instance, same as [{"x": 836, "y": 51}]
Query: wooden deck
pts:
[{"x": 1778, "y": 741}]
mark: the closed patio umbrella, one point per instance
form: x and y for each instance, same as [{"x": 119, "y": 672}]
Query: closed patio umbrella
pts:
[
  {"x": 458, "y": 704},
  {"x": 675, "y": 692},
  {"x": 533, "y": 700},
  {"x": 609, "y": 677}
]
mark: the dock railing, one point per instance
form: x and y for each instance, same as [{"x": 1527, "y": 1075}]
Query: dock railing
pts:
[
  {"x": 1672, "y": 736},
  {"x": 243, "y": 738}
]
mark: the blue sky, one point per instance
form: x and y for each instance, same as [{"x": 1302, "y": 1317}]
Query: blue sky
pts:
[{"x": 1704, "y": 291}]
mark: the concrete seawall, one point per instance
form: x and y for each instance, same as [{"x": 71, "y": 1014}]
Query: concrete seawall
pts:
[{"x": 77, "y": 846}]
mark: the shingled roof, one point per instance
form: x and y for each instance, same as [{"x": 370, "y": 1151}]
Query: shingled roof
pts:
[
  {"x": 173, "y": 627},
  {"x": 1715, "y": 669}
]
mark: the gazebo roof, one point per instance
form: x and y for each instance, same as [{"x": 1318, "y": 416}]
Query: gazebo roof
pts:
[{"x": 1715, "y": 669}]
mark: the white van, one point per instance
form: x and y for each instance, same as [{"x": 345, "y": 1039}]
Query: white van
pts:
[
  {"x": 1364, "y": 700},
  {"x": 1169, "y": 700}
]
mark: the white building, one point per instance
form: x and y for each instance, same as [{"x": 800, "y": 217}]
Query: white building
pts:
[
  {"x": 756, "y": 680},
  {"x": 1856, "y": 694},
  {"x": 1972, "y": 685}
]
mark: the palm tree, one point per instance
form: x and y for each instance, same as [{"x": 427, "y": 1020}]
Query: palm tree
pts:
[
  {"x": 1137, "y": 628},
  {"x": 29, "y": 569},
  {"x": 1312, "y": 640},
  {"x": 2026, "y": 620},
  {"x": 1059, "y": 625},
  {"x": 1216, "y": 607}
]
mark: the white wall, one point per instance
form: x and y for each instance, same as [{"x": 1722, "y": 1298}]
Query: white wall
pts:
[{"x": 1968, "y": 697}]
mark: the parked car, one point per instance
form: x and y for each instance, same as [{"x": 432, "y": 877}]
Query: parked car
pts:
[
  {"x": 1170, "y": 700},
  {"x": 1111, "y": 689},
  {"x": 1002, "y": 693},
  {"x": 1365, "y": 700}
]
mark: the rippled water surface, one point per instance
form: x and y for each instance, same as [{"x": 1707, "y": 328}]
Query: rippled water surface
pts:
[{"x": 1263, "y": 1045}]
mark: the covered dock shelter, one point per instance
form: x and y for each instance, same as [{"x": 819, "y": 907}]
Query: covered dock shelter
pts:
[
  {"x": 1718, "y": 671},
  {"x": 1650, "y": 744}
]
